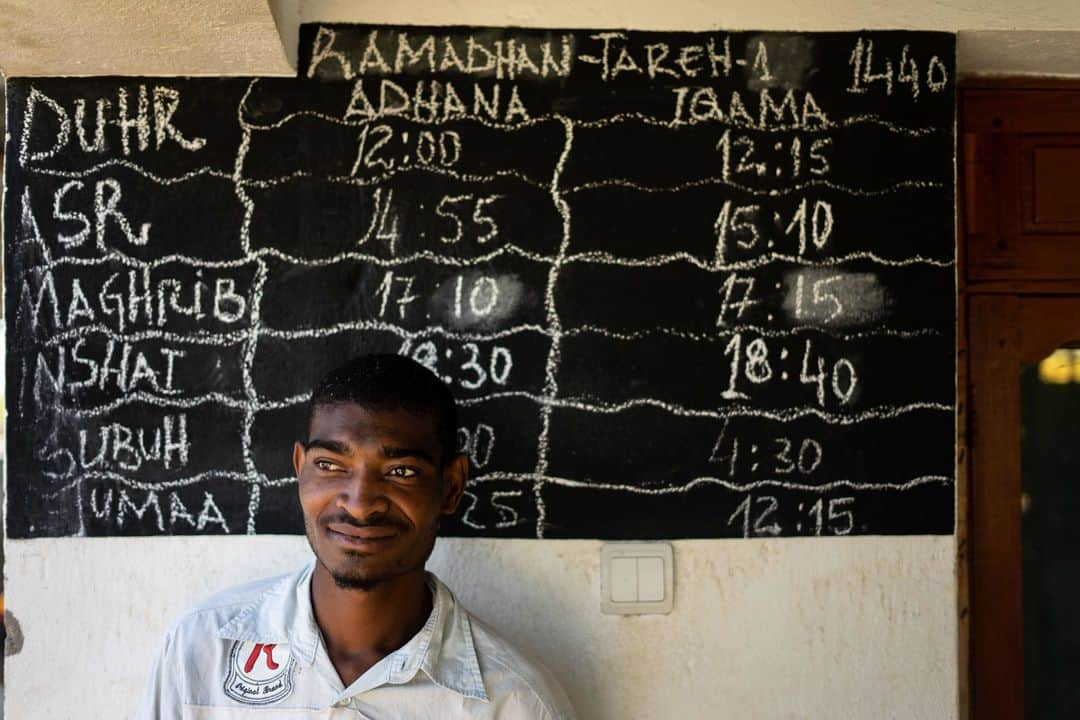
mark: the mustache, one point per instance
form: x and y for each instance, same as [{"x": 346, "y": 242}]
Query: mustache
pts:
[{"x": 375, "y": 520}]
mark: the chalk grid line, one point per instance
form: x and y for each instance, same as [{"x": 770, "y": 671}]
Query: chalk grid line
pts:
[
  {"x": 251, "y": 395},
  {"x": 595, "y": 257},
  {"x": 554, "y": 329},
  {"x": 531, "y": 479},
  {"x": 542, "y": 400},
  {"x": 709, "y": 180},
  {"x": 826, "y": 126}
]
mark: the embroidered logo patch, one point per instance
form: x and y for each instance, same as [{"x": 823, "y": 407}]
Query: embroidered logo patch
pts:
[{"x": 259, "y": 673}]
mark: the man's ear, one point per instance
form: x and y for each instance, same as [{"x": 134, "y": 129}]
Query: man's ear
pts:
[
  {"x": 455, "y": 475},
  {"x": 298, "y": 457}
]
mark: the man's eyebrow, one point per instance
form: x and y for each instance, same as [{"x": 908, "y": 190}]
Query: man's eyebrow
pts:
[
  {"x": 401, "y": 452},
  {"x": 334, "y": 446}
]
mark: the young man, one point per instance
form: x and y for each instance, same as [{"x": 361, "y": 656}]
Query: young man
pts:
[{"x": 364, "y": 631}]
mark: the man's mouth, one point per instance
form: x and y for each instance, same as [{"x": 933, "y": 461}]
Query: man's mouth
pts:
[{"x": 368, "y": 536}]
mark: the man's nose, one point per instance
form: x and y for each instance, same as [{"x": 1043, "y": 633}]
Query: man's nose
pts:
[{"x": 365, "y": 494}]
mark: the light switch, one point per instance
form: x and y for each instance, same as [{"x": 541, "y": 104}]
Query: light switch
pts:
[
  {"x": 638, "y": 578},
  {"x": 624, "y": 579},
  {"x": 650, "y": 579}
]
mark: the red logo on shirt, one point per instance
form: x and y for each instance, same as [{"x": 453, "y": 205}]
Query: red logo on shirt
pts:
[
  {"x": 259, "y": 647},
  {"x": 259, "y": 673}
]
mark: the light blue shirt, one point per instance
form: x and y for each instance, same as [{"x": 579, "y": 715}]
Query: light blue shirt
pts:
[{"x": 255, "y": 652}]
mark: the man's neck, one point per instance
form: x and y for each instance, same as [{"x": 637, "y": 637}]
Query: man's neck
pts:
[{"x": 361, "y": 627}]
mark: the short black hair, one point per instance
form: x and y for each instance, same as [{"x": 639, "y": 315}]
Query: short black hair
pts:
[{"x": 385, "y": 381}]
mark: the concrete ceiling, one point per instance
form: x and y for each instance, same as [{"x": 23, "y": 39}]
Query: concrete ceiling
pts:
[
  {"x": 1013, "y": 52},
  {"x": 139, "y": 37}
]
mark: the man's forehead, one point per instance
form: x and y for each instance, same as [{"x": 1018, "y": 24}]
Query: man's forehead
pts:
[{"x": 359, "y": 423}]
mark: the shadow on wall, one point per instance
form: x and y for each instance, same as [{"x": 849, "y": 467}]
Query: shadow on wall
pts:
[
  {"x": 13, "y": 638},
  {"x": 287, "y": 18}
]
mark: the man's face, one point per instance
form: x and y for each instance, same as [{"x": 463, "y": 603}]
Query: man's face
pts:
[{"x": 372, "y": 490}]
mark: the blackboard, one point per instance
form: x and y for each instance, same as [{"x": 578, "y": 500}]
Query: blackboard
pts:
[{"x": 682, "y": 284}]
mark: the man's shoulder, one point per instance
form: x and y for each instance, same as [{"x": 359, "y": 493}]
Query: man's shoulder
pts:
[
  {"x": 210, "y": 614},
  {"x": 509, "y": 672}
]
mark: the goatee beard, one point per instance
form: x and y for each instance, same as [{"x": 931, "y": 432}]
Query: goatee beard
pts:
[{"x": 348, "y": 582}]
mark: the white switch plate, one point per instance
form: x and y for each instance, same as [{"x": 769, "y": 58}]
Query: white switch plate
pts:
[{"x": 639, "y": 578}]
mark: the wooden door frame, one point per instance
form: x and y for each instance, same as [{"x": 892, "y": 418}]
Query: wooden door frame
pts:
[
  {"x": 1005, "y": 330},
  {"x": 1002, "y": 323}
]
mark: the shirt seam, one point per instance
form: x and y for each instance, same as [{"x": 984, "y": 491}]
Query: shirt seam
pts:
[
  {"x": 235, "y": 705},
  {"x": 459, "y": 691},
  {"x": 248, "y": 608},
  {"x": 513, "y": 671},
  {"x": 196, "y": 612},
  {"x": 436, "y": 623},
  {"x": 474, "y": 666}
]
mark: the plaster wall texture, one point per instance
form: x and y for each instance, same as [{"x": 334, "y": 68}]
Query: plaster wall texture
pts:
[
  {"x": 137, "y": 37},
  {"x": 783, "y": 628},
  {"x": 951, "y": 15}
]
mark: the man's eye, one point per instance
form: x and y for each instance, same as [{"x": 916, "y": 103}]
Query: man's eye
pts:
[
  {"x": 402, "y": 471},
  {"x": 326, "y": 465}
]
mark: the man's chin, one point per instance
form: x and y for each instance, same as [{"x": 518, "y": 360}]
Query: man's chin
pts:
[
  {"x": 356, "y": 572},
  {"x": 364, "y": 583}
]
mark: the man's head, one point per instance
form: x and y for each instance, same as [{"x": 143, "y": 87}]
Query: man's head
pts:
[{"x": 379, "y": 468}]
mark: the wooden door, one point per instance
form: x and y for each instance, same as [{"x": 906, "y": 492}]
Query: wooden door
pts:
[{"x": 1020, "y": 299}]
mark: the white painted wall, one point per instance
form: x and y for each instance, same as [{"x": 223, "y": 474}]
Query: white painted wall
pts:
[{"x": 790, "y": 628}]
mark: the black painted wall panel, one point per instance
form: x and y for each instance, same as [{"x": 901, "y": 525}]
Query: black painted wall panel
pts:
[{"x": 683, "y": 284}]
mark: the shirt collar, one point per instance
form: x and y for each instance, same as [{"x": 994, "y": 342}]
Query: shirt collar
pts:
[
  {"x": 281, "y": 614},
  {"x": 443, "y": 648}
]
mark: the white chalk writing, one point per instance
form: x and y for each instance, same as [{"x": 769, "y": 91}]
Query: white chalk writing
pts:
[{"x": 582, "y": 233}]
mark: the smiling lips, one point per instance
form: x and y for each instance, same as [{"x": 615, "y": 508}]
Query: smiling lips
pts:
[{"x": 353, "y": 535}]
